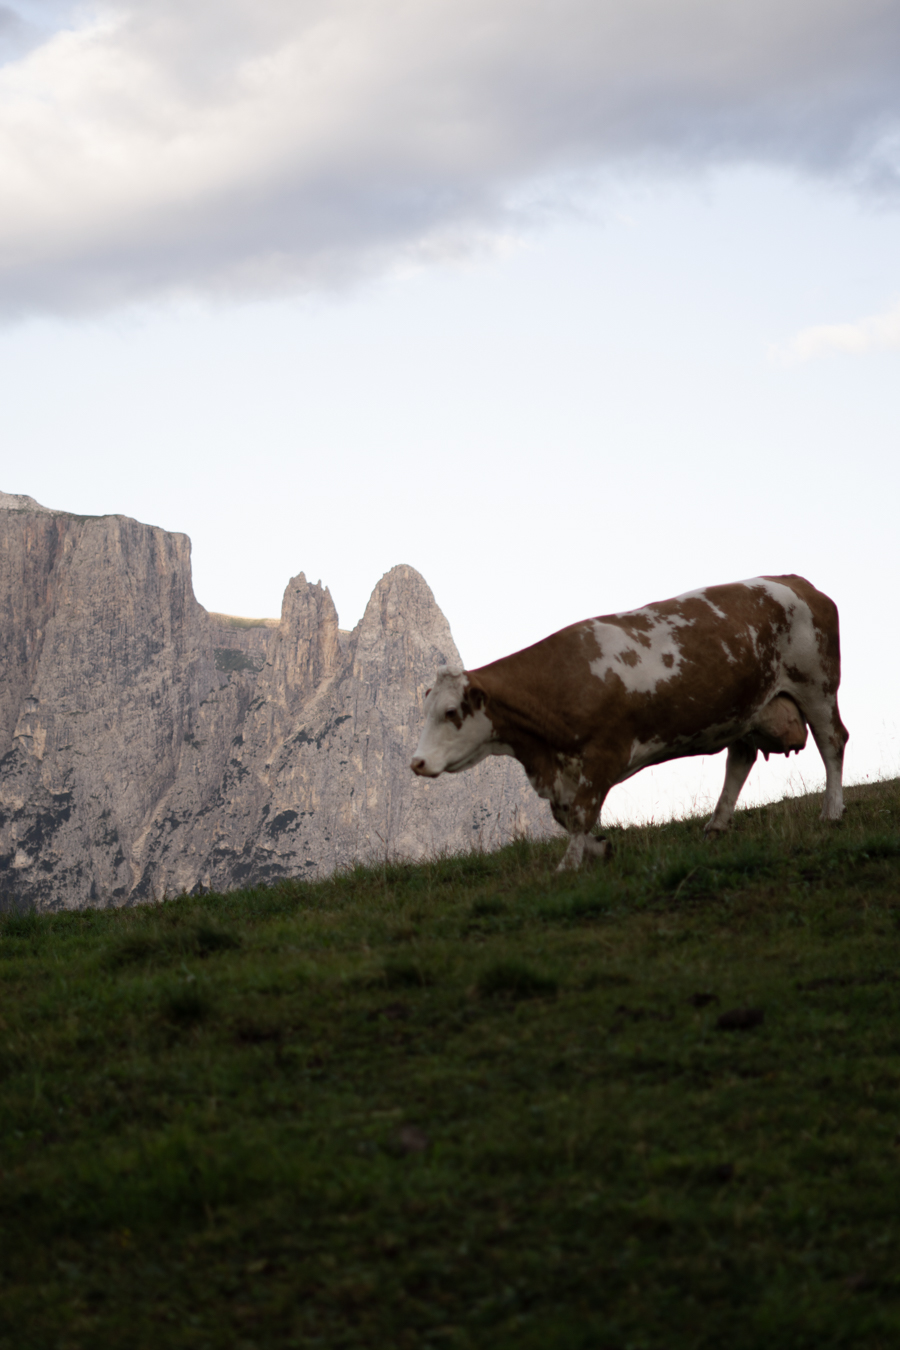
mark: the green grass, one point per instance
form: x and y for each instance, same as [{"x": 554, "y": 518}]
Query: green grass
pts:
[{"x": 469, "y": 1103}]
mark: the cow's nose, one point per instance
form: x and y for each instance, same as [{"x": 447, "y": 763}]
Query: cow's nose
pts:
[{"x": 417, "y": 765}]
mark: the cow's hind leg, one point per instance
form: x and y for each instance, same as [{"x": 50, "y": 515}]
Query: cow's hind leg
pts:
[
  {"x": 741, "y": 758},
  {"x": 830, "y": 736}
]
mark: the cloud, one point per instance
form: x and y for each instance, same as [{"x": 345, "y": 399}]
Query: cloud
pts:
[
  {"x": 255, "y": 146},
  {"x": 876, "y": 332}
]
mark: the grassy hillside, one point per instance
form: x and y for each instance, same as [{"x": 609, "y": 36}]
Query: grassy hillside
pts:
[{"x": 471, "y": 1103}]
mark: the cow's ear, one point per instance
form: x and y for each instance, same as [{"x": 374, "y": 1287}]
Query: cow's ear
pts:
[{"x": 477, "y": 697}]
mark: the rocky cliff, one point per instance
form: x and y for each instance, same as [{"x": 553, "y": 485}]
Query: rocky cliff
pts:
[{"x": 149, "y": 748}]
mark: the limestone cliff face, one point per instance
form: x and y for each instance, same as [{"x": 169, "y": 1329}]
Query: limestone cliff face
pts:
[{"x": 149, "y": 748}]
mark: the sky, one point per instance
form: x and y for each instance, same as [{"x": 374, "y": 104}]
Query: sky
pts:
[{"x": 570, "y": 306}]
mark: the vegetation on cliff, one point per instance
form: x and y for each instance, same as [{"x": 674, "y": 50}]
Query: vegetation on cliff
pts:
[{"x": 469, "y": 1102}]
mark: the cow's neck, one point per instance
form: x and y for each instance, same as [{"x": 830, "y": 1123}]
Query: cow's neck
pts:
[{"x": 527, "y": 726}]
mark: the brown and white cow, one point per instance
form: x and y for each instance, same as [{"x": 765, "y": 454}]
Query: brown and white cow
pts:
[{"x": 743, "y": 667}]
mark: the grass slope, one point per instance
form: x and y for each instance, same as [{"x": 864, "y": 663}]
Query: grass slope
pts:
[{"x": 469, "y": 1103}]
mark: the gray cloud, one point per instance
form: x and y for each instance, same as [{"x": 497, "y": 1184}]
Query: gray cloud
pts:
[
  {"x": 13, "y": 34},
  {"x": 254, "y": 146}
]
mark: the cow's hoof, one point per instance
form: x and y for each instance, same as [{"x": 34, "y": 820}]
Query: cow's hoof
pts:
[
  {"x": 581, "y": 847},
  {"x": 571, "y": 860}
]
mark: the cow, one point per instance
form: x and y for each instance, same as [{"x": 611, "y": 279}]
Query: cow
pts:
[{"x": 743, "y": 667}]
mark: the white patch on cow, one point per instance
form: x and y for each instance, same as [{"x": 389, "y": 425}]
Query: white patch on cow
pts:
[
  {"x": 798, "y": 642},
  {"x": 648, "y": 670},
  {"x": 564, "y": 789},
  {"x": 719, "y": 613},
  {"x": 571, "y": 765},
  {"x": 475, "y": 741},
  {"x": 753, "y": 635}
]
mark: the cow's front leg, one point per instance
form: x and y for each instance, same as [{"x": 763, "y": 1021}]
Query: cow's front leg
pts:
[
  {"x": 578, "y": 811},
  {"x": 741, "y": 758}
]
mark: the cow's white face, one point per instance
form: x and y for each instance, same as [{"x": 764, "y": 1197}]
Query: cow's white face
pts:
[{"x": 457, "y": 731}]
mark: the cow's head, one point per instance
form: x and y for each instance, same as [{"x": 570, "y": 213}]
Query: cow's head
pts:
[{"x": 457, "y": 731}]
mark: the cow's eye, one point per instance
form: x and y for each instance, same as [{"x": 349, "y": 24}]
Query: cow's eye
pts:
[{"x": 450, "y": 714}]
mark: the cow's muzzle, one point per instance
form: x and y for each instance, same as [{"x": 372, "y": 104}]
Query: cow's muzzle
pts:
[{"x": 418, "y": 766}]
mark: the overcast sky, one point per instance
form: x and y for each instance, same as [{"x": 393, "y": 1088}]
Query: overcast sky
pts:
[{"x": 571, "y": 306}]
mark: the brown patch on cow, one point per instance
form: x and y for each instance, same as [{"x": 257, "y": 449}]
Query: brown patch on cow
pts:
[
  {"x": 473, "y": 699},
  {"x": 796, "y": 674},
  {"x": 668, "y": 660},
  {"x": 629, "y": 658}
]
